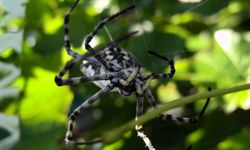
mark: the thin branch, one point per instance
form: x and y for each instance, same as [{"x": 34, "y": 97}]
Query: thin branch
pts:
[{"x": 113, "y": 135}]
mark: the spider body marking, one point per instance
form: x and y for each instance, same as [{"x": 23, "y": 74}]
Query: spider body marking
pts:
[
  {"x": 113, "y": 69},
  {"x": 120, "y": 61}
]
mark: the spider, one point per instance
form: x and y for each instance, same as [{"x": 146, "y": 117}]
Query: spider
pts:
[{"x": 113, "y": 69}]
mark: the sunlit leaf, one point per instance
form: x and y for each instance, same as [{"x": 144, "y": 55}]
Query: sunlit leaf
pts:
[
  {"x": 44, "y": 101},
  {"x": 226, "y": 60},
  {"x": 239, "y": 141},
  {"x": 44, "y": 110}
]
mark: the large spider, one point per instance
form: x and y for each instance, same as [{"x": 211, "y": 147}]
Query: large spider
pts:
[{"x": 113, "y": 69}]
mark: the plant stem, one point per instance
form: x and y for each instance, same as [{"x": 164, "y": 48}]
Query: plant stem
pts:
[{"x": 113, "y": 135}]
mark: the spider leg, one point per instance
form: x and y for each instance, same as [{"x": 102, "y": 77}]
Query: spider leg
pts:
[
  {"x": 70, "y": 81},
  {"x": 139, "y": 110},
  {"x": 130, "y": 77},
  {"x": 117, "y": 41},
  {"x": 100, "y": 25},
  {"x": 80, "y": 109},
  {"x": 162, "y": 75},
  {"x": 194, "y": 119},
  {"x": 97, "y": 28},
  {"x": 67, "y": 66},
  {"x": 67, "y": 44},
  {"x": 77, "y": 80}
]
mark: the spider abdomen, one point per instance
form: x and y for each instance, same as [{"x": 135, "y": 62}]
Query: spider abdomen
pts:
[
  {"x": 118, "y": 58},
  {"x": 92, "y": 67}
]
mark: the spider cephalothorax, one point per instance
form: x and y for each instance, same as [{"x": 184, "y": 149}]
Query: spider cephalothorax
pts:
[{"x": 113, "y": 69}]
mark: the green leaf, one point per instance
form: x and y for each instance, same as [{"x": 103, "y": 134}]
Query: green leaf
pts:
[
  {"x": 239, "y": 141},
  {"x": 226, "y": 62},
  {"x": 44, "y": 111}
]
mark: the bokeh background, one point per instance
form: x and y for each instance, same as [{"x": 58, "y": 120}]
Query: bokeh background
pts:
[{"x": 208, "y": 39}]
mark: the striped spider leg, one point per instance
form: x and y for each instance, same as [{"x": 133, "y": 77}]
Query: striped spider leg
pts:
[
  {"x": 80, "y": 109},
  {"x": 91, "y": 35},
  {"x": 95, "y": 31},
  {"x": 142, "y": 89},
  {"x": 139, "y": 110},
  {"x": 169, "y": 75}
]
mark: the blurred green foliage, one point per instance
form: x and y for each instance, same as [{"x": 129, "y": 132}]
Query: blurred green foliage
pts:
[{"x": 209, "y": 40}]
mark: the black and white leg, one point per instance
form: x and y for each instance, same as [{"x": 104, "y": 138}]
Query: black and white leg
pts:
[
  {"x": 77, "y": 80},
  {"x": 80, "y": 109},
  {"x": 67, "y": 44},
  {"x": 139, "y": 110},
  {"x": 117, "y": 41},
  {"x": 161, "y": 75},
  {"x": 194, "y": 119},
  {"x": 130, "y": 77},
  {"x": 97, "y": 28},
  {"x": 67, "y": 66}
]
